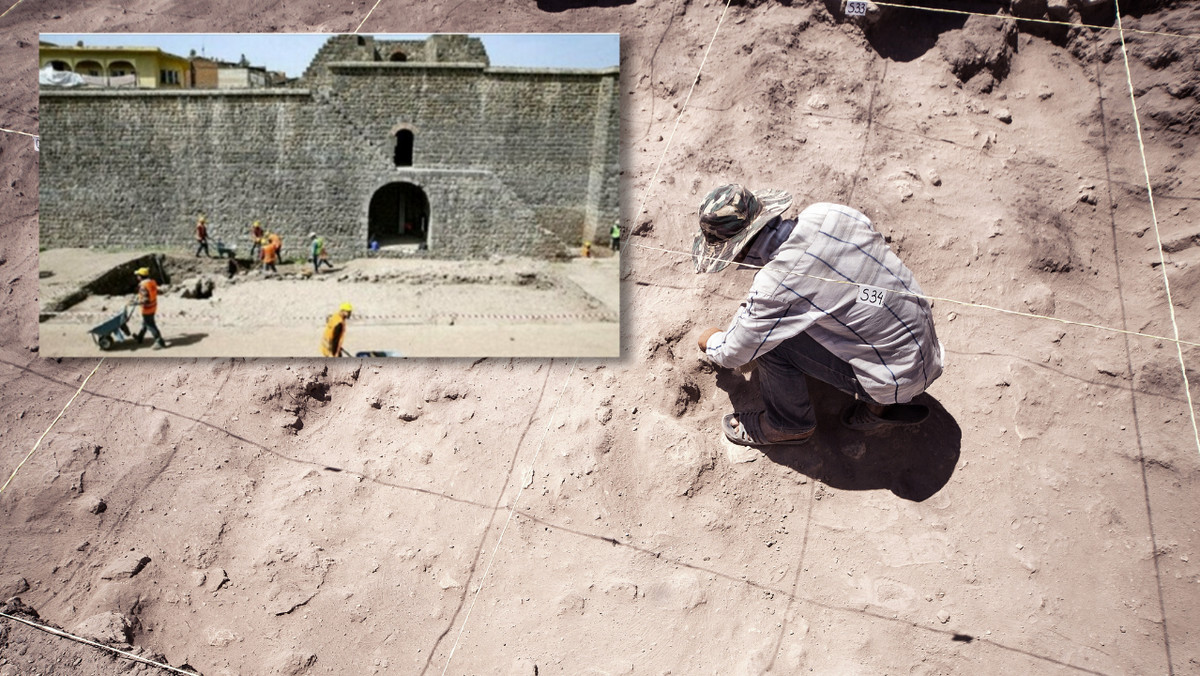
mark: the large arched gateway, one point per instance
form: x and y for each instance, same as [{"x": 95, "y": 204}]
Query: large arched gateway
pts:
[{"x": 399, "y": 216}]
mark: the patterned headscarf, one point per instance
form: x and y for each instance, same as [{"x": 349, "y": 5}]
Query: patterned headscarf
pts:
[{"x": 729, "y": 218}]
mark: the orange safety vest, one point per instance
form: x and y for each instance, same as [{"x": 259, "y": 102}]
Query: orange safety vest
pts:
[
  {"x": 268, "y": 252},
  {"x": 335, "y": 333},
  {"x": 148, "y": 296}
]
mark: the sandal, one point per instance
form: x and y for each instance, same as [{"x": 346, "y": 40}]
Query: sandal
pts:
[
  {"x": 858, "y": 416},
  {"x": 747, "y": 431}
]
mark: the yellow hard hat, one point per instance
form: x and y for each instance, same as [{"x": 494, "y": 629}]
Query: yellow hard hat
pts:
[
  {"x": 346, "y": 307},
  {"x": 257, "y": 223},
  {"x": 142, "y": 272}
]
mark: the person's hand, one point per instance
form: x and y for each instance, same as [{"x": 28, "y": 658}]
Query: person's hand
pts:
[{"x": 703, "y": 342}]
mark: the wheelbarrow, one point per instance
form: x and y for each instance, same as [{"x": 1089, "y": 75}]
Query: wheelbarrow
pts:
[
  {"x": 226, "y": 251},
  {"x": 113, "y": 331}
]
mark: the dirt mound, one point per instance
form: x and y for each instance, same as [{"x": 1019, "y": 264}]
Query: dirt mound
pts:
[{"x": 981, "y": 52}]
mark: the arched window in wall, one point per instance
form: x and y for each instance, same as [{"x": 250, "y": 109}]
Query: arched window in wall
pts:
[
  {"x": 121, "y": 69},
  {"x": 90, "y": 68},
  {"x": 404, "y": 148}
]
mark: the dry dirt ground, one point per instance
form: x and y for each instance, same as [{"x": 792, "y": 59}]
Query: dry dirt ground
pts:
[
  {"x": 411, "y": 308},
  {"x": 551, "y": 516}
]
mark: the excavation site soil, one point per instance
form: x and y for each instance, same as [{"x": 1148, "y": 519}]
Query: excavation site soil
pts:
[
  {"x": 410, "y": 308},
  {"x": 586, "y": 516}
]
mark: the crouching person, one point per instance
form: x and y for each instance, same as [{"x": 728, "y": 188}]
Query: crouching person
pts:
[{"x": 864, "y": 327}]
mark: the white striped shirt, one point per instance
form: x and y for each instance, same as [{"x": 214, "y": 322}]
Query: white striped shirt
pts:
[{"x": 892, "y": 347}]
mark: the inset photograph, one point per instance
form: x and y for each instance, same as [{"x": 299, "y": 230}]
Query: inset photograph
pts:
[{"x": 268, "y": 195}]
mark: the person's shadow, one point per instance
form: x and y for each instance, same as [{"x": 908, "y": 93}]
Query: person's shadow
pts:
[
  {"x": 132, "y": 346},
  {"x": 914, "y": 462},
  {"x": 185, "y": 339}
]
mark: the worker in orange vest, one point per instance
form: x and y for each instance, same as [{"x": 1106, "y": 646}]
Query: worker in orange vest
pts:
[
  {"x": 277, "y": 241},
  {"x": 335, "y": 332},
  {"x": 147, "y": 298},
  {"x": 270, "y": 255}
]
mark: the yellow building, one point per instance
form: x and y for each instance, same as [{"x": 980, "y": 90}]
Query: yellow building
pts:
[{"x": 141, "y": 67}]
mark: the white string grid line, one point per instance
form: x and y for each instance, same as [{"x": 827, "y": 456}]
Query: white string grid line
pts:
[
  {"x": 16, "y": 131},
  {"x": 52, "y": 423},
  {"x": 1137, "y": 125},
  {"x": 368, "y": 16},
  {"x": 682, "y": 108},
  {"x": 512, "y": 509},
  {"x": 80, "y": 639},
  {"x": 940, "y": 298},
  {"x": 10, "y": 8},
  {"x": 22, "y": 133},
  {"x": 1010, "y": 17}
]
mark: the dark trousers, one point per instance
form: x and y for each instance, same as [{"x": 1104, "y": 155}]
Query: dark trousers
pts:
[
  {"x": 784, "y": 391},
  {"x": 148, "y": 324},
  {"x": 202, "y": 245}
]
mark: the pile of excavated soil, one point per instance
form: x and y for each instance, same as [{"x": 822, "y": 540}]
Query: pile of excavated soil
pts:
[{"x": 535, "y": 516}]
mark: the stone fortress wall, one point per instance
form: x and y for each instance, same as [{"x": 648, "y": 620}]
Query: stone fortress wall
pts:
[{"x": 498, "y": 160}]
